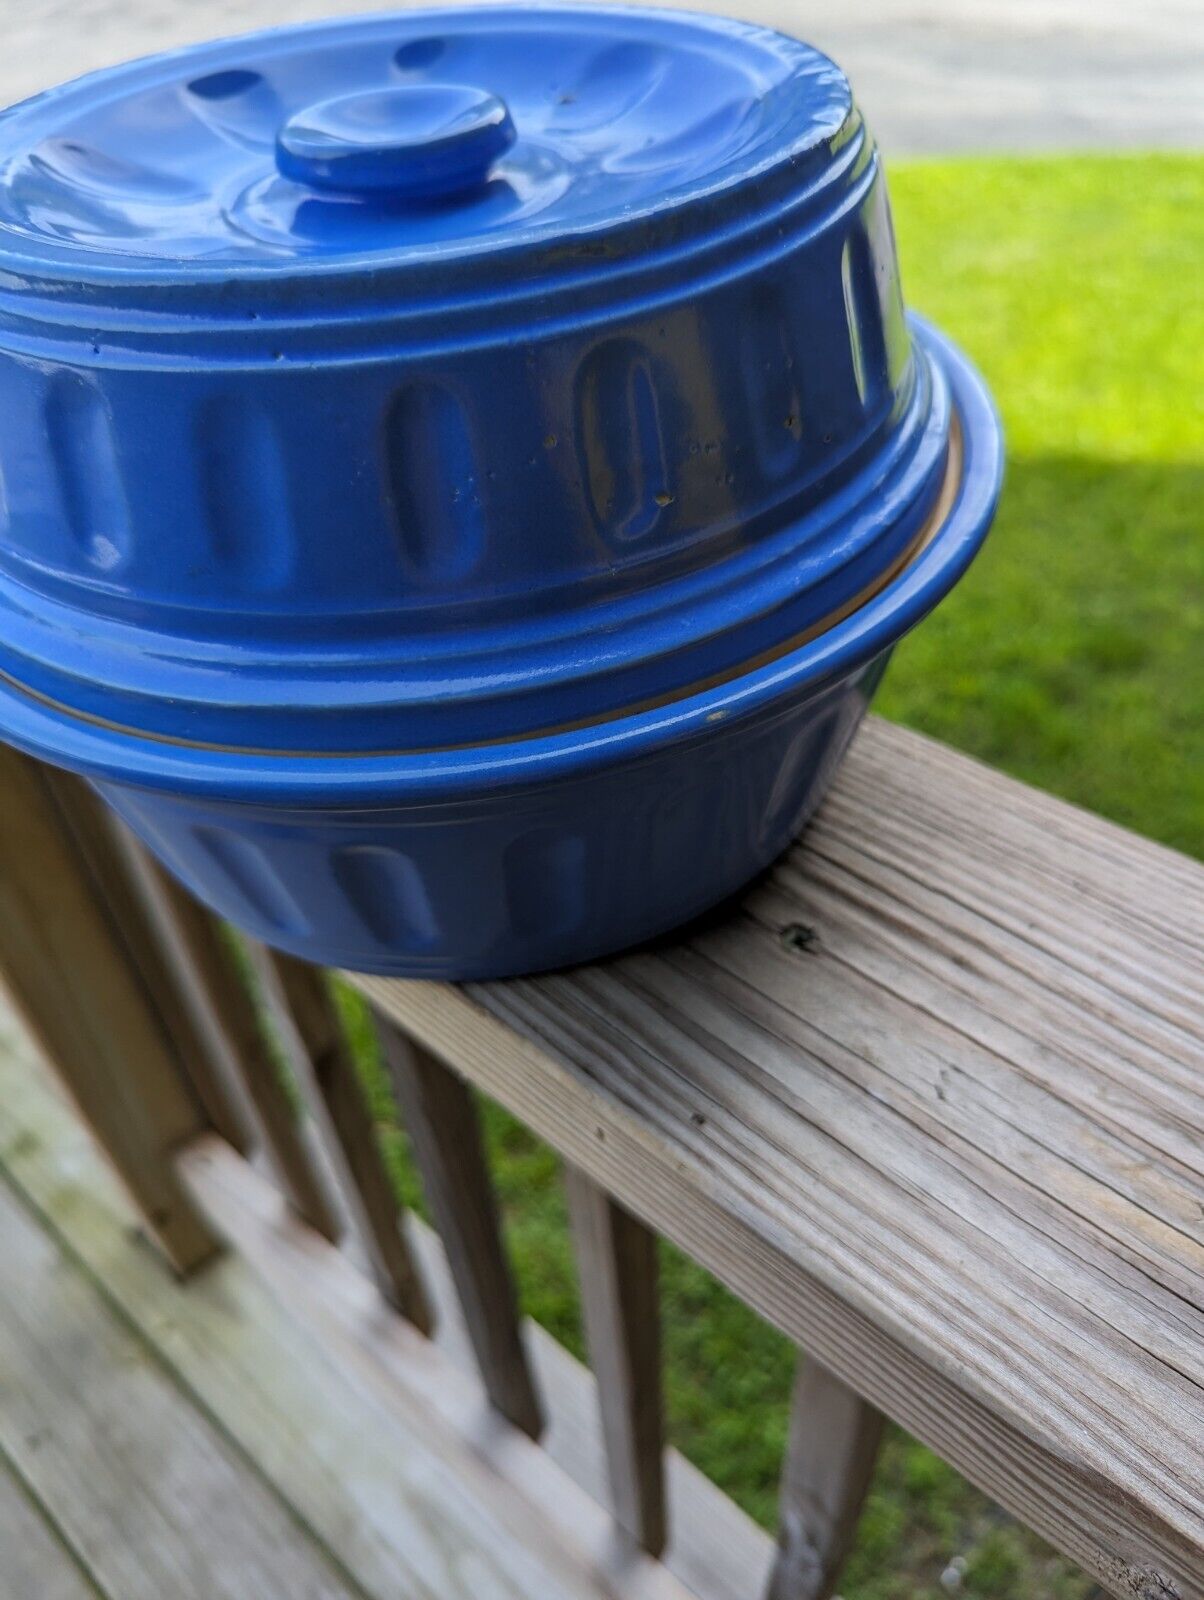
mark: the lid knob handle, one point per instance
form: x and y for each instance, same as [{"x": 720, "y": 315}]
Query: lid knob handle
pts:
[{"x": 418, "y": 141}]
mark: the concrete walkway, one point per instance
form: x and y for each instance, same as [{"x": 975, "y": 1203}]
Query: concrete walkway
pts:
[{"x": 932, "y": 75}]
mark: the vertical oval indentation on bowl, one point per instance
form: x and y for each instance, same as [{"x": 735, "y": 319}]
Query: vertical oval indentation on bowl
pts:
[
  {"x": 164, "y": 836},
  {"x": 385, "y": 890},
  {"x": 432, "y": 481},
  {"x": 244, "y": 485},
  {"x": 771, "y": 383},
  {"x": 863, "y": 312},
  {"x": 84, "y": 450},
  {"x": 620, "y": 440},
  {"x": 252, "y": 879},
  {"x": 544, "y": 874},
  {"x": 790, "y": 799}
]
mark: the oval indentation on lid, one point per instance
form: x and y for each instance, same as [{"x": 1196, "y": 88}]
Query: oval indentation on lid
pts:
[
  {"x": 610, "y": 85},
  {"x": 432, "y": 483},
  {"x": 75, "y": 171},
  {"x": 253, "y": 879},
  {"x": 771, "y": 384},
  {"x": 238, "y": 104},
  {"x": 385, "y": 890},
  {"x": 225, "y": 85},
  {"x": 694, "y": 147},
  {"x": 620, "y": 440},
  {"x": 80, "y": 431},
  {"x": 544, "y": 873},
  {"x": 417, "y": 54},
  {"x": 245, "y": 491}
]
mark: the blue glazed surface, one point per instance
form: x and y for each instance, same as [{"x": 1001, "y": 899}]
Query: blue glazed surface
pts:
[
  {"x": 163, "y": 172},
  {"x": 427, "y": 141},
  {"x": 373, "y": 472},
  {"x": 549, "y": 874},
  {"x": 463, "y": 473},
  {"x": 505, "y": 858}
]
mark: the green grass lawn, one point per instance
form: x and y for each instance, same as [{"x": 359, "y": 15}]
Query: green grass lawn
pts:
[{"x": 1073, "y": 656}]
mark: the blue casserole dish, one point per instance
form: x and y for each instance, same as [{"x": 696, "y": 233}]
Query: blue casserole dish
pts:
[{"x": 464, "y": 472}]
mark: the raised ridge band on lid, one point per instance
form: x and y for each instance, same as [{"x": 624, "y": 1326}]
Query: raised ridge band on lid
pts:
[{"x": 372, "y": 780}]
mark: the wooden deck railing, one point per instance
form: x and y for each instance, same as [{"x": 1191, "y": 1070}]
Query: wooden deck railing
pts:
[{"x": 931, "y": 1103}]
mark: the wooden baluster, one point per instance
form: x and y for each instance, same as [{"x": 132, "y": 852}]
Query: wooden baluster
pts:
[
  {"x": 73, "y": 978},
  {"x": 223, "y": 1005},
  {"x": 102, "y": 840},
  {"x": 618, "y": 1274},
  {"x": 830, "y": 1454},
  {"x": 441, "y": 1118},
  {"x": 325, "y": 1069}
]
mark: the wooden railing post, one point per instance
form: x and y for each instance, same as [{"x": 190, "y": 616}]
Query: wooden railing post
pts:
[
  {"x": 441, "y": 1119},
  {"x": 618, "y": 1276},
  {"x": 109, "y": 851},
  {"x": 325, "y": 1071},
  {"x": 224, "y": 1008},
  {"x": 830, "y": 1454},
  {"x": 73, "y": 977}
]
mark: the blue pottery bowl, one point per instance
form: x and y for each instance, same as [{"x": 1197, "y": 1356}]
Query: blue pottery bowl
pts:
[{"x": 464, "y": 472}]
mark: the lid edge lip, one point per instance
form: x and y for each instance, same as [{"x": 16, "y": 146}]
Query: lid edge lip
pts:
[
  {"x": 173, "y": 278},
  {"x": 274, "y": 782}
]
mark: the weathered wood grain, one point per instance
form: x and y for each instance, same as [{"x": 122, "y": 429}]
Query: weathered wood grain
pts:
[
  {"x": 383, "y": 1445},
  {"x": 224, "y": 1007},
  {"x": 74, "y": 981},
  {"x": 830, "y": 1455},
  {"x": 142, "y": 1489},
  {"x": 34, "y": 1562},
  {"x": 443, "y": 1126},
  {"x": 619, "y": 1283},
  {"x": 108, "y": 849},
  {"x": 323, "y": 1066},
  {"x": 932, "y": 1103}
]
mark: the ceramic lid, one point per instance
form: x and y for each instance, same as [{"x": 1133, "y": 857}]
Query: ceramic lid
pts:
[{"x": 414, "y": 380}]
